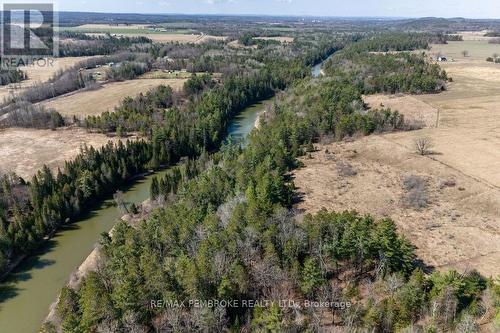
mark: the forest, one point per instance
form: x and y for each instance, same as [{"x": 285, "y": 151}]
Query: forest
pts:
[
  {"x": 81, "y": 44},
  {"x": 383, "y": 64}
]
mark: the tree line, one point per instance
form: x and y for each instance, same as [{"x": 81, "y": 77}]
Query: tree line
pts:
[{"x": 77, "y": 44}]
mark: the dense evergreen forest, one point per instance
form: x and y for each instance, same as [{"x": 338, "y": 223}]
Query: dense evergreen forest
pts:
[
  {"x": 227, "y": 229},
  {"x": 383, "y": 63},
  {"x": 80, "y": 44}
]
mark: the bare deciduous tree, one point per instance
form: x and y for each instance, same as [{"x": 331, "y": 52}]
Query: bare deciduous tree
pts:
[{"x": 423, "y": 145}]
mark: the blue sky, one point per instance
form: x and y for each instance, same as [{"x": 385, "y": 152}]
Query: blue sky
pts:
[{"x": 392, "y": 8}]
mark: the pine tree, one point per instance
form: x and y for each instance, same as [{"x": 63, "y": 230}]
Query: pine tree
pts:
[{"x": 155, "y": 189}]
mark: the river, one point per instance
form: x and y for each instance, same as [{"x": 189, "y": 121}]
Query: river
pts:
[
  {"x": 245, "y": 122},
  {"x": 316, "y": 69},
  {"x": 25, "y": 297}
]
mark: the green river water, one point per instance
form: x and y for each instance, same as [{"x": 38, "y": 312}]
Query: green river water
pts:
[{"x": 25, "y": 297}]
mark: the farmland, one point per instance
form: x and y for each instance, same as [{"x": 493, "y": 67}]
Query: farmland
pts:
[
  {"x": 105, "y": 98},
  {"x": 28, "y": 150},
  {"x": 413, "y": 109},
  {"x": 281, "y": 39},
  {"x": 121, "y": 29},
  {"x": 159, "y": 35},
  {"x": 178, "y": 38},
  {"x": 460, "y": 226},
  {"x": 478, "y": 51}
]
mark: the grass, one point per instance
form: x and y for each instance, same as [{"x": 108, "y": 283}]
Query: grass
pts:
[
  {"x": 478, "y": 50},
  {"x": 126, "y": 31},
  {"x": 105, "y": 98},
  {"x": 166, "y": 75},
  {"x": 25, "y": 151}
]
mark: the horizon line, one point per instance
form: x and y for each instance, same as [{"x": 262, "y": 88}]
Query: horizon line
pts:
[{"x": 286, "y": 16}]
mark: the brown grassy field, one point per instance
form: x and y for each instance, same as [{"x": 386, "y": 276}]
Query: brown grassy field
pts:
[
  {"x": 461, "y": 226},
  {"x": 183, "y": 38},
  {"x": 235, "y": 44},
  {"x": 25, "y": 151},
  {"x": 39, "y": 74},
  {"x": 414, "y": 110},
  {"x": 474, "y": 35},
  {"x": 167, "y": 37},
  {"x": 94, "y": 102},
  {"x": 478, "y": 50}
]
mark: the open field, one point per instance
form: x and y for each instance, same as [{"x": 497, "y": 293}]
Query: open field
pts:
[
  {"x": 161, "y": 74},
  {"x": 180, "y": 38},
  {"x": 414, "y": 110},
  {"x": 168, "y": 37},
  {"x": 94, "y": 102},
  {"x": 124, "y": 29},
  {"x": 39, "y": 74},
  {"x": 478, "y": 50},
  {"x": 461, "y": 226},
  {"x": 474, "y": 35},
  {"x": 108, "y": 26},
  {"x": 140, "y": 30},
  {"x": 235, "y": 44},
  {"x": 25, "y": 151}
]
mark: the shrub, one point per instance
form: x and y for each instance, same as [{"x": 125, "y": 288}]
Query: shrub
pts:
[
  {"x": 345, "y": 169},
  {"x": 416, "y": 195}
]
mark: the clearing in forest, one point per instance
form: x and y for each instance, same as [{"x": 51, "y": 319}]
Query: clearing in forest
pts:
[
  {"x": 106, "y": 98},
  {"x": 414, "y": 110},
  {"x": 25, "y": 151}
]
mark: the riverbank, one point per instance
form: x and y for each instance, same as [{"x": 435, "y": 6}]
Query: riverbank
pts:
[
  {"x": 19, "y": 259},
  {"x": 91, "y": 263},
  {"x": 41, "y": 276}
]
